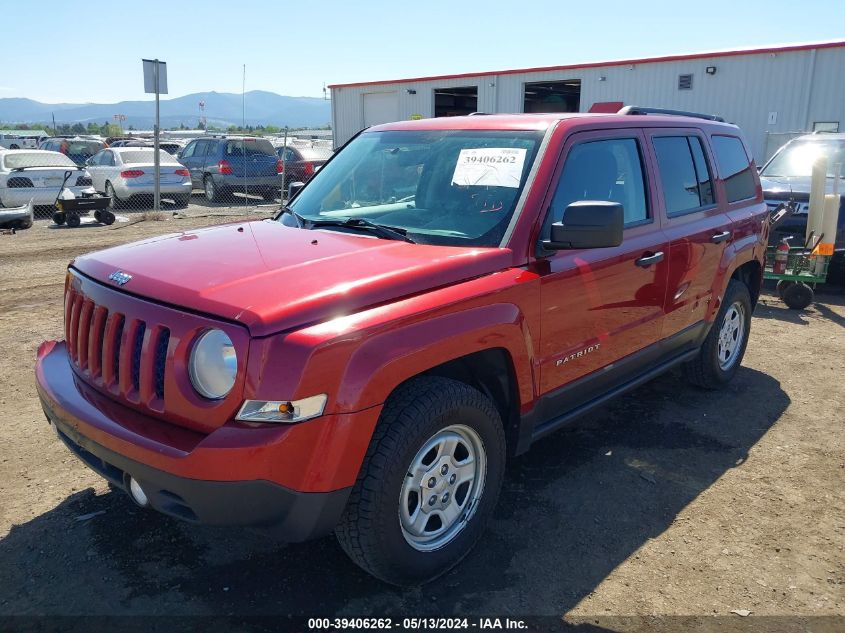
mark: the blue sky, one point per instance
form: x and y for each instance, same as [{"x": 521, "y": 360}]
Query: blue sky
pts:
[{"x": 294, "y": 47}]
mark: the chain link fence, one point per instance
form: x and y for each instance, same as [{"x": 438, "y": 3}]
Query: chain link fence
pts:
[{"x": 86, "y": 179}]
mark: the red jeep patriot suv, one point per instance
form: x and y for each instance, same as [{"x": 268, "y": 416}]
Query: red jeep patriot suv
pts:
[{"x": 441, "y": 294}]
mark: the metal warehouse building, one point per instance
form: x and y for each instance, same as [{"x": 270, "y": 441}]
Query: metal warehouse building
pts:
[{"x": 771, "y": 93}]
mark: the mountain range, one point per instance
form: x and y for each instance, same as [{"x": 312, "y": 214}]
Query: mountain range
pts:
[{"x": 222, "y": 109}]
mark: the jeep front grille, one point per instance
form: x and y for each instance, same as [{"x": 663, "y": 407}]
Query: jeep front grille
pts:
[{"x": 125, "y": 356}]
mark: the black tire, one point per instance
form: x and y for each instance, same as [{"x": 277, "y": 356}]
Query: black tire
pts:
[
  {"x": 798, "y": 296},
  {"x": 212, "y": 191},
  {"x": 706, "y": 370},
  {"x": 73, "y": 220},
  {"x": 23, "y": 224},
  {"x": 369, "y": 530},
  {"x": 107, "y": 217},
  {"x": 116, "y": 203},
  {"x": 270, "y": 195},
  {"x": 14, "y": 146},
  {"x": 180, "y": 202},
  {"x": 98, "y": 215},
  {"x": 781, "y": 287},
  {"x": 59, "y": 218}
]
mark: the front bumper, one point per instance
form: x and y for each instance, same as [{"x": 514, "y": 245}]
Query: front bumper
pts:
[{"x": 228, "y": 477}]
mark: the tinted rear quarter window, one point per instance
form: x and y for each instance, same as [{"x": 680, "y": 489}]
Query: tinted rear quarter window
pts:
[
  {"x": 249, "y": 147},
  {"x": 734, "y": 168}
]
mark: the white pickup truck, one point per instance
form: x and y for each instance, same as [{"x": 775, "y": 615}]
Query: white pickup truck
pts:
[{"x": 10, "y": 141}]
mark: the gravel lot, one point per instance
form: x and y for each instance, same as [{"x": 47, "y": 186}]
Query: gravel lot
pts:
[{"x": 669, "y": 501}]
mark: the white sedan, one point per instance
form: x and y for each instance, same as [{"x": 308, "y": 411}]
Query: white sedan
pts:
[
  {"x": 37, "y": 175},
  {"x": 124, "y": 172}
]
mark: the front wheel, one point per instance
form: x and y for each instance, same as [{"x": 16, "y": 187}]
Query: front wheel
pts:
[
  {"x": 723, "y": 349},
  {"x": 429, "y": 482},
  {"x": 59, "y": 218}
]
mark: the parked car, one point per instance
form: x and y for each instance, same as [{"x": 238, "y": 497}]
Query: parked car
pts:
[
  {"x": 222, "y": 165},
  {"x": 302, "y": 161},
  {"x": 37, "y": 175},
  {"x": 122, "y": 173},
  {"x": 442, "y": 294},
  {"x": 171, "y": 146},
  {"x": 78, "y": 149},
  {"x": 14, "y": 141},
  {"x": 786, "y": 177}
]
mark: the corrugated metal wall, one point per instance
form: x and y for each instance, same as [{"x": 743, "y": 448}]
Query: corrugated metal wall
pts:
[{"x": 745, "y": 89}]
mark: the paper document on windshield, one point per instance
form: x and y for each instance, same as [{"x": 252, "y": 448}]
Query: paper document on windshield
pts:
[{"x": 490, "y": 167}]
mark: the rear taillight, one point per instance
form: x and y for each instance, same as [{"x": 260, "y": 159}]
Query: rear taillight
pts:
[
  {"x": 182, "y": 172},
  {"x": 309, "y": 169},
  {"x": 280, "y": 166},
  {"x": 131, "y": 173},
  {"x": 224, "y": 167}
]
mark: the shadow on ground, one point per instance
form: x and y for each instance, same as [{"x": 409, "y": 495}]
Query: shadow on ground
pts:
[{"x": 581, "y": 502}]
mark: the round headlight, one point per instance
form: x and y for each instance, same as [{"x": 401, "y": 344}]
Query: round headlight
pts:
[{"x": 213, "y": 365}]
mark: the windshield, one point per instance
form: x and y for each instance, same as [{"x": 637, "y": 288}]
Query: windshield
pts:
[
  {"x": 37, "y": 159},
  {"x": 797, "y": 159},
  {"x": 446, "y": 187}
]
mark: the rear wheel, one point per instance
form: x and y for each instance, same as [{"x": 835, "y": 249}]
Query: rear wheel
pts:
[
  {"x": 180, "y": 202},
  {"x": 212, "y": 191},
  {"x": 107, "y": 217},
  {"x": 798, "y": 296},
  {"x": 115, "y": 202},
  {"x": 73, "y": 220},
  {"x": 429, "y": 482},
  {"x": 723, "y": 349},
  {"x": 270, "y": 194}
]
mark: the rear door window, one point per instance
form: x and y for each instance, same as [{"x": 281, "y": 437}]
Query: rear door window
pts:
[
  {"x": 684, "y": 174},
  {"x": 734, "y": 168}
]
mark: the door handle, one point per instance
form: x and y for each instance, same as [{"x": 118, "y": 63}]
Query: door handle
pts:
[
  {"x": 647, "y": 260},
  {"x": 721, "y": 237}
]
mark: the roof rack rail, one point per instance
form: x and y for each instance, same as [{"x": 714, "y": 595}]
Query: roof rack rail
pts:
[{"x": 636, "y": 110}]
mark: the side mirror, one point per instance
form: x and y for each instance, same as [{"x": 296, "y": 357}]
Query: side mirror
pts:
[
  {"x": 293, "y": 189},
  {"x": 588, "y": 224}
]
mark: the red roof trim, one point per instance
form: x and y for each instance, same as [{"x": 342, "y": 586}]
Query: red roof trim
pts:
[{"x": 620, "y": 62}]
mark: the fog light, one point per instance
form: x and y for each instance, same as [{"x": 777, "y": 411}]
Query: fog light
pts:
[{"x": 137, "y": 493}]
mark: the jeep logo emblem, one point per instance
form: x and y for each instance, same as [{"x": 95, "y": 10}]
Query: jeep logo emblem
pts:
[{"x": 120, "y": 278}]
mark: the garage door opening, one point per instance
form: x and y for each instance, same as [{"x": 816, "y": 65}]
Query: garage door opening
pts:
[
  {"x": 455, "y": 101},
  {"x": 553, "y": 96}
]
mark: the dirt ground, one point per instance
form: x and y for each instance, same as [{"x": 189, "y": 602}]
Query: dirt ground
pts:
[{"x": 669, "y": 501}]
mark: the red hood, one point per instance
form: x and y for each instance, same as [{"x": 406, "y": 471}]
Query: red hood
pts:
[{"x": 270, "y": 277}]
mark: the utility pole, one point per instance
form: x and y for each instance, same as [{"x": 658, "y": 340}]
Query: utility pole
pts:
[{"x": 155, "y": 80}]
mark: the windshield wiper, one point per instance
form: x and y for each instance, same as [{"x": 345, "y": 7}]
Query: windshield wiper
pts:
[{"x": 380, "y": 230}]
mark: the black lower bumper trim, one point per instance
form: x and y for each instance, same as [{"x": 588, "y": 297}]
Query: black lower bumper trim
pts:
[{"x": 288, "y": 514}]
